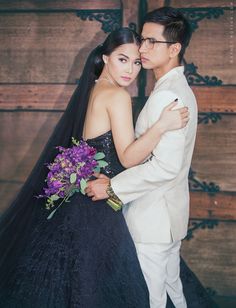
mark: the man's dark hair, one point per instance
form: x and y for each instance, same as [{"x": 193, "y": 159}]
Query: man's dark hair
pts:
[{"x": 176, "y": 26}]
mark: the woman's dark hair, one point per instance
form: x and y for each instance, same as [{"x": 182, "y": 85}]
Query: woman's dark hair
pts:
[{"x": 176, "y": 26}]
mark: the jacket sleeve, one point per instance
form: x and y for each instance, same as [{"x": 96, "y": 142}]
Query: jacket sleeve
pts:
[{"x": 165, "y": 162}]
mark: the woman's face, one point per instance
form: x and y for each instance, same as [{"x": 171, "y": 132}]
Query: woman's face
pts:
[{"x": 123, "y": 64}]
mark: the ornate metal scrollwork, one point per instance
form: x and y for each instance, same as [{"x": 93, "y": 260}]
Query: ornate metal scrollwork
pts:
[
  {"x": 196, "y": 185},
  {"x": 133, "y": 26},
  {"x": 195, "y": 224},
  {"x": 194, "y": 15},
  {"x": 195, "y": 79},
  {"x": 110, "y": 19},
  {"x": 207, "y": 117}
]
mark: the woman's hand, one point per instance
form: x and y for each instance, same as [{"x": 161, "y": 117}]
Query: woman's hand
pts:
[{"x": 173, "y": 119}]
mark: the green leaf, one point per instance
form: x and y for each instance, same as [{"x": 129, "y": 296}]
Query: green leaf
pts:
[
  {"x": 99, "y": 155},
  {"x": 54, "y": 197},
  {"x": 73, "y": 178},
  {"x": 97, "y": 169},
  {"x": 102, "y": 163},
  {"x": 74, "y": 141},
  {"x": 83, "y": 185},
  {"x": 51, "y": 215}
]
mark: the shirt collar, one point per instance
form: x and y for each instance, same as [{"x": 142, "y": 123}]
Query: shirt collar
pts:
[{"x": 172, "y": 72}]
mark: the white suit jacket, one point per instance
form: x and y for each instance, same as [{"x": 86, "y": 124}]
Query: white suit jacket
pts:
[{"x": 156, "y": 192}]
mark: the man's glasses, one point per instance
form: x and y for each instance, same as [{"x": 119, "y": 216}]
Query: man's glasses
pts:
[{"x": 149, "y": 42}]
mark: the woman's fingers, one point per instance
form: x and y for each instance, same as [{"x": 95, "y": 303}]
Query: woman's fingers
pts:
[
  {"x": 171, "y": 105},
  {"x": 183, "y": 110}
]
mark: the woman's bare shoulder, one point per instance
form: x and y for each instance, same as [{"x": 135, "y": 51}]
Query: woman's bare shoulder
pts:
[
  {"x": 117, "y": 96},
  {"x": 110, "y": 97}
]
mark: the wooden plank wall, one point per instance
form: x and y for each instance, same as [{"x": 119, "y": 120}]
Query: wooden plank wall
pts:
[{"x": 43, "y": 46}]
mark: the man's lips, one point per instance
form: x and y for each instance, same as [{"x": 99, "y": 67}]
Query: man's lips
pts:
[
  {"x": 144, "y": 59},
  {"x": 126, "y": 78}
]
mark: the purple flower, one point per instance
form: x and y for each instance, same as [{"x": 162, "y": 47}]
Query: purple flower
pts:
[{"x": 69, "y": 168}]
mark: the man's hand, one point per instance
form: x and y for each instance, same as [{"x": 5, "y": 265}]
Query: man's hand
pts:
[{"x": 97, "y": 188}]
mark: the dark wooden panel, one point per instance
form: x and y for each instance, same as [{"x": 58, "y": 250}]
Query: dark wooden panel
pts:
[
  {"x": 214, "y": 153},
  {"x": 51, "y": 97},
  {"x": 215, "y": 99},
  {"x": 36, "y": 97},
  {"x": 45, "y": 48},
  {"x": 199, "y": 3},
  {"x": 58, "y": 4},
  {"x": 215, "y": 36},
  {"x": 220, "y": 206},
  {"x": 211, "y": 254},
  {"x": 22, "y": 137}
]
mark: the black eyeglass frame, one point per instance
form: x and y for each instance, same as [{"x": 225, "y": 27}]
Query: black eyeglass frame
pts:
[{"x": 153, "y": 41}]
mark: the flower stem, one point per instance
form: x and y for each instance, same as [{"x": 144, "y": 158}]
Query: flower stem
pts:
[{"x": 54, "y": 211}]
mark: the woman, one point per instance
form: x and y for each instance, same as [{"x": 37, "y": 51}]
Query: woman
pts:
[{"x": 84, "y": 256}]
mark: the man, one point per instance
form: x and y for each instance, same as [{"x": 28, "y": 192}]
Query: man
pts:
[{"x": 155, "y": 194}]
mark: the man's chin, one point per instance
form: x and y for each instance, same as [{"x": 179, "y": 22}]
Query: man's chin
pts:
[{"x": 147, "y": 66}]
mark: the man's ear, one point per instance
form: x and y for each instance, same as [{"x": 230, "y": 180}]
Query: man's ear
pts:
[
  {"x": 105, "y": 59},
  {"x": 175, "y": 50}
]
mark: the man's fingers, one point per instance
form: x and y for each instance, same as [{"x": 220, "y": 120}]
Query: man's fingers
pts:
[
  {"x": 99, "y": 175},
  {"x": 96, "y": 174},
  {"x": 90, "y": 194},
  {"x": 102, "y": 176}
]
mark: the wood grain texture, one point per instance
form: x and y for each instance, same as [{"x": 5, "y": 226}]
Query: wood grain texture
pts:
[
  {"x": 199, "y": 3},
  {"x": 22, "y": 138},
  {"x": 216, "y": 99},
  {"x": 45, "y": 48},
  {"x": 219, "y": 206},
  {"x": 214, "y": 153},
  {"x": 35, "y": 97},
  {"x": 56, "y": 96},
  {"x": 217, "y": 57},
  {"x": 59, "y": 4},
  {"x": 211, "y": 254}
]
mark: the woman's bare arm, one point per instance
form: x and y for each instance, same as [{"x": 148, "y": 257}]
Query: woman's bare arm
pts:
[{"x": 132, "y": 152}]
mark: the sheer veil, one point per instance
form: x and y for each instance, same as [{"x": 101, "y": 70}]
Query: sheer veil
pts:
[{"x": 18, "y": 220}]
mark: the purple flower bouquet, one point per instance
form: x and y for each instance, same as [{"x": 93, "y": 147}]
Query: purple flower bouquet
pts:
[{"x": 69, "y": 173}]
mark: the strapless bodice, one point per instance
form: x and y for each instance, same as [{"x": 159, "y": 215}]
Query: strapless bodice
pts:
[{"x": 104, "y": 143}]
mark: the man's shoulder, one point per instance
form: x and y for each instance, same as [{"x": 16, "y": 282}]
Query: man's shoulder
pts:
[
  {"x": 177, "y": 85},
  {"x": 173, "y": 83}
]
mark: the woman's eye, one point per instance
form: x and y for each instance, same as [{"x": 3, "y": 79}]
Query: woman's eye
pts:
[
  {"x": 138, "y": 63},
  {"x": 123, "y": 60}
]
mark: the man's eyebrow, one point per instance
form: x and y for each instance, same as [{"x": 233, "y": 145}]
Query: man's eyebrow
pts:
[{"x": 152, "y": 38}]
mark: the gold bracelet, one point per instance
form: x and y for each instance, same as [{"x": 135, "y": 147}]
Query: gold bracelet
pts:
[{"x": 113, "y": 199}]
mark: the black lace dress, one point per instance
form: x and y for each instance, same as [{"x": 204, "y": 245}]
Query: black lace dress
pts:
[{"x": 83, "y": 257}]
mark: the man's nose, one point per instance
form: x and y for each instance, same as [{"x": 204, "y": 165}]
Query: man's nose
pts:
[{"x": 142, "y": 47}]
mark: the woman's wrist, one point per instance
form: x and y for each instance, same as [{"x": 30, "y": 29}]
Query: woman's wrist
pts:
[{"x": 160, "y": 127}]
